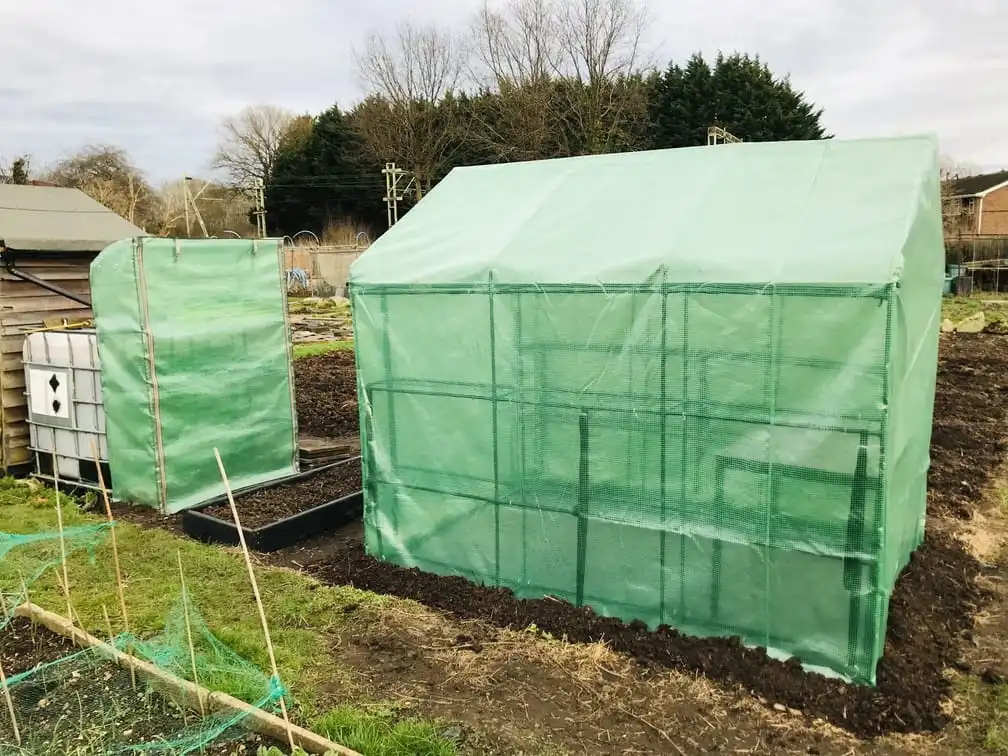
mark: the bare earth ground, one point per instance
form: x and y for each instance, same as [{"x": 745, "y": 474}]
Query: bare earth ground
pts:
[{"x": 513, "y": 690}]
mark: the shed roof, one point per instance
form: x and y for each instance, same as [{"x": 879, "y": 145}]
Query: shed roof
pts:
[
  {"x": 973, "y": 186},
  {"x": 827, "y": 211},
  {"x": 56, "y": 219}
]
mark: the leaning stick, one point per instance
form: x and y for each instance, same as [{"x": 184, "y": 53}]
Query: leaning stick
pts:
[
  {"x": 10, "y": 706},
  {"x": 27, "y": 601},
  {"x": 255, "y": 590},
  {"x": 63, "y": 554},
  {"x": 188, "y": 626},
  {"x": 115, "y": 552},
  {"x": 108, "y": 625}
]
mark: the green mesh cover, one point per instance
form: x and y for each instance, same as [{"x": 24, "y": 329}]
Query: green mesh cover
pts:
[
  {"x": 195, "y": 354},
  {"x": 83, "y": 704},
  {"x": 690, "y": 387}
]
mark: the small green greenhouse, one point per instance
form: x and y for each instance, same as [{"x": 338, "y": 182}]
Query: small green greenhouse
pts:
[
  {"x": 195, "y": 350},
  {"x": 689, "y": 387}
]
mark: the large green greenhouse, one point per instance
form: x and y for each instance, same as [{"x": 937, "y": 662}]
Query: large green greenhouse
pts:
[{"x": 690, "y": 387}]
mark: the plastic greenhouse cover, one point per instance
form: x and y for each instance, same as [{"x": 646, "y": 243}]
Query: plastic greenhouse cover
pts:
[
  {"x": 691, "y": 387},
  {"x": 777, "y": 212},
  {"x": 195, "y": 352}
]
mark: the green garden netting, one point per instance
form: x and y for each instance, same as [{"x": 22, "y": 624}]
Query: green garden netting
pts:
[
  {"x": 689, "y": 387},
  {"x": 195, "y": 353},
  {"x": 80, "y": 703}
]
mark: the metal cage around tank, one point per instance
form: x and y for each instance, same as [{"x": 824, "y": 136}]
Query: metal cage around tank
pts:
[{"x": 66, "y": 414}]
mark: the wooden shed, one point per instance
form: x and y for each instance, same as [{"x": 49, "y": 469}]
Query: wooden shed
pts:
[{"x": 48, "y": 238}]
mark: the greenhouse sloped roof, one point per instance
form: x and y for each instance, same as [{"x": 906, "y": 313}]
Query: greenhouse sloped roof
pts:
[{"x": 815, "y": 212}]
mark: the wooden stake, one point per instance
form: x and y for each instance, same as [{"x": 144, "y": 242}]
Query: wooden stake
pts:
[
  {"x": 255, "y": 589},
  {"x": 59, "y": 522},
  {"x": 3, "y": 604},
  {"x": 115, "y": 545},
  {"x": 188, "y": 626},
  {"x": 115, "y": 553},
  {"x": 10, "y": 706}
]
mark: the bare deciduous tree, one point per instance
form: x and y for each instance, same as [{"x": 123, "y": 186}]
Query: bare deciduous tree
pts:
[
  {"x": 251, "y": 142},
  {"x": 411, "y": 76},
  {"x": 107, "y": 175},
  {"x": 222, "y": 209},
  {"x": 517, "y": 54},
  {"x": 602, "y": 44},
  {"x": 420, "y": 64},
  {"x": 564, "y": 71},
  {"x": 958, "y": 217}
]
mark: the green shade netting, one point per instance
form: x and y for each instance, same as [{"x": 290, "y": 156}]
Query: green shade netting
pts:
[
  {"x": 82, "y": 704},
  {"x": 195, "y": 354},
  {"x": 690, "y": 387}
]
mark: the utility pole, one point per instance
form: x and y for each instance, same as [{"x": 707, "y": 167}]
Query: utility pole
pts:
[
  {"x": 189, "y": 198},
  {"x": 259, "y": 198},
  {"x": 393, "y": 192},
  {"x": 716, "y": 133}
]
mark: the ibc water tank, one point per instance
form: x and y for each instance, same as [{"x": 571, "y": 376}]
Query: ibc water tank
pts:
[{"x": 66, "y": 419}]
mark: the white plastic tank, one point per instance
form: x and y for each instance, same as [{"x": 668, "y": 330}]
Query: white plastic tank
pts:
[{"x": 66, "y": 418}]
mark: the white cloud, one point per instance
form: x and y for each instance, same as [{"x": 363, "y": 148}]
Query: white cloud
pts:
[{"x": 156, "y": 78}]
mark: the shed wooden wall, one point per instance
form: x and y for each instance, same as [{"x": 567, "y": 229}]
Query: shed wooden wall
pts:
[{"x": 26, "y": 307}]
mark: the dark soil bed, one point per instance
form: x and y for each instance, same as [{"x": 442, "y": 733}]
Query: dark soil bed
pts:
[
  {"x": 325, "y": 389},
  {"x": 86, "y": 706},
  {"x": 968, "y": 440},
  {"x": 268, "y": 505},
  {"x": 930, "y": 613}
]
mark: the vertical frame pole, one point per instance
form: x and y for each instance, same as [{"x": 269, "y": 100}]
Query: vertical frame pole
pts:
[
  {"x": 496, "y": 439},
  {"x": 664, "y": 451},
  {"x": 390, "y": 392},
  {"x": 582, "y": 506},
  {"x": 685, "y": 451},
  {"x": 520, "y": 410}
]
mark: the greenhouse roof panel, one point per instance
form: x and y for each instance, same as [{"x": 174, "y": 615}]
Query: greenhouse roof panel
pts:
[{"x": 827, "y": 211}]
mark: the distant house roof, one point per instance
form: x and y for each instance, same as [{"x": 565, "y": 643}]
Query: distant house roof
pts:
[
  {"x": 977, "y": 186},
  {"x": 55, "y": 219}
]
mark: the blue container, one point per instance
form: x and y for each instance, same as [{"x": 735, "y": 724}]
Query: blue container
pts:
[{"x": 947, "y": 288}]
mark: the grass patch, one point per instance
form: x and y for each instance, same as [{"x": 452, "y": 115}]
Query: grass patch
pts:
[
  {"x": 313, "y": 306},
  {"x": 321, "y": 347},
  {"x": 993, "y": 306},
  {"x": 380, "y": 732},
  {"x": 983, "y": 714},
  {"x": 301, "y": 613}
]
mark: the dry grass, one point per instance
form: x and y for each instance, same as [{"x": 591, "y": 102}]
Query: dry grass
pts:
[
  {"x": 607, "y": 701},
  {"x": 980, "y": 705},
  {"x": 339, "y": 233}
]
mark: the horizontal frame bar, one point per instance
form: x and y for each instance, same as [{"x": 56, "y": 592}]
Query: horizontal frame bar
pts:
[{"x": 866, "y": 290}]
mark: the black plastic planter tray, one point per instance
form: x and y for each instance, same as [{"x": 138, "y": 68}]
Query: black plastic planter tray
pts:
[{"x": 276, "y": 535}]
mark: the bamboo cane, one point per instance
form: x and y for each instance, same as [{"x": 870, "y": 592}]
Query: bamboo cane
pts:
[
  {"x": 255, "y": 589},
  {"x": 115, "y": 552},
  {"x": 188, "y": 626},
  {"x": 10, "y": 706},
  {"x": 62, "y": 541}
]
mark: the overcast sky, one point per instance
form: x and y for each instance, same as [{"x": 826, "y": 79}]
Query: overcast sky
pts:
[{"x": 157, "y": 77}]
